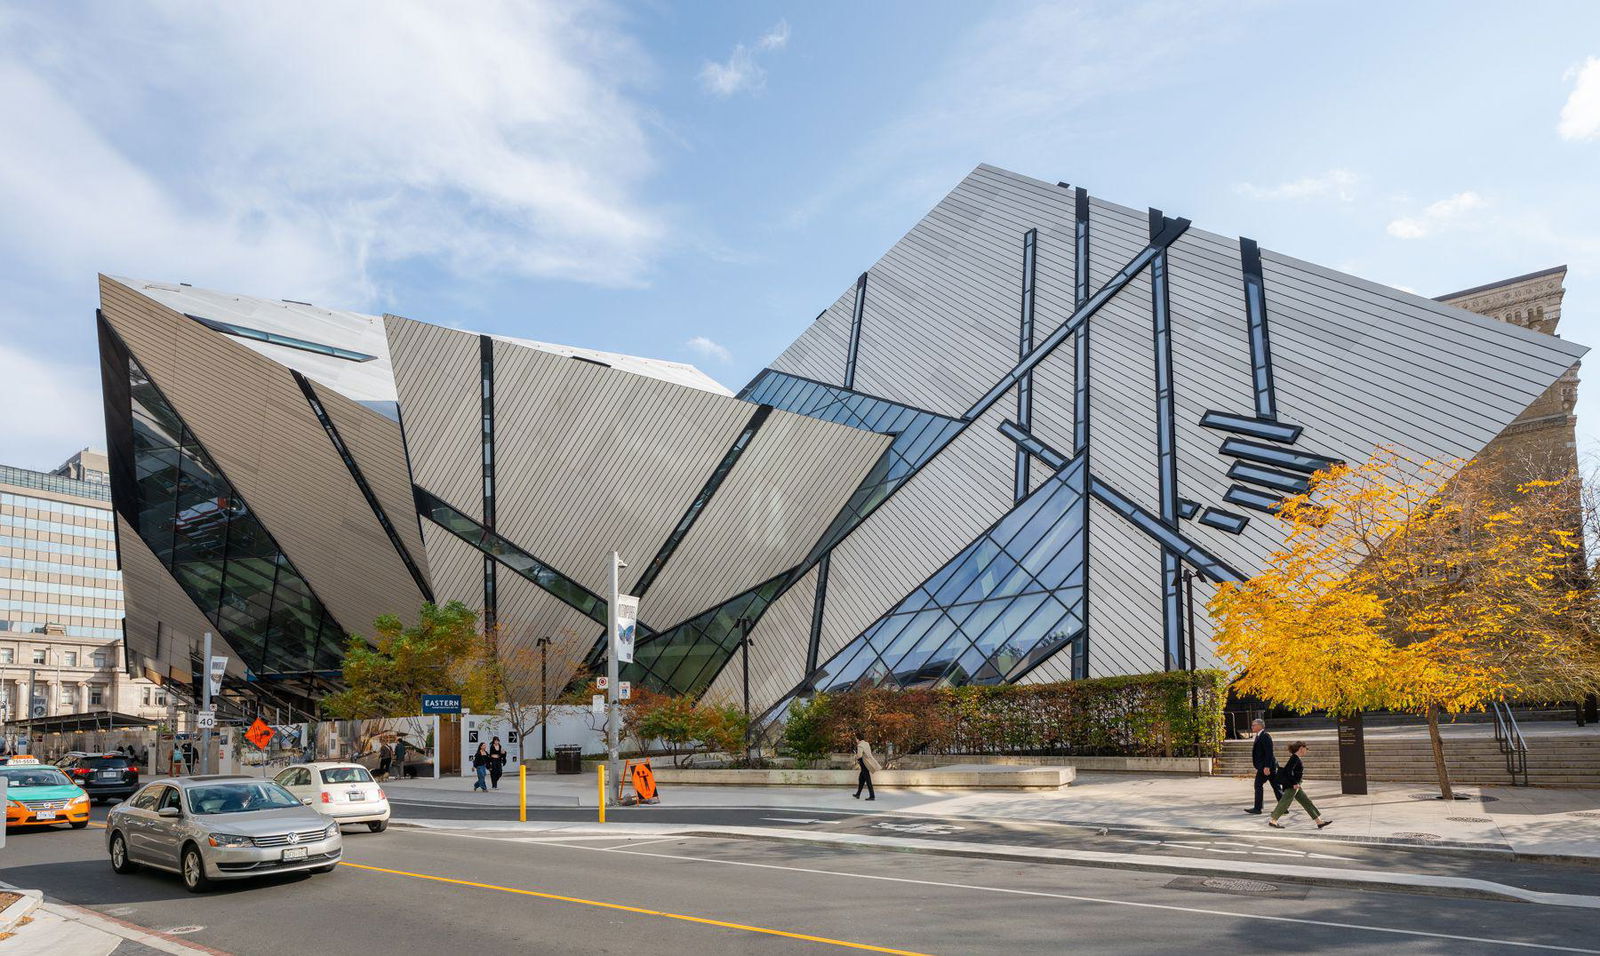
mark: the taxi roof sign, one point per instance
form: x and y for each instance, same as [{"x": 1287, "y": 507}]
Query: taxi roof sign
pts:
[{"x": 22, "y": 760}]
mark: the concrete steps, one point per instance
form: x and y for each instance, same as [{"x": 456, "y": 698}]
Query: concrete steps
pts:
[{"x": 1552, "y": 761}]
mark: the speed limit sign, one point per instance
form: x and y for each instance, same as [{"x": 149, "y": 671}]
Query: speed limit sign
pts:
[{"x": 206, "y": 720}]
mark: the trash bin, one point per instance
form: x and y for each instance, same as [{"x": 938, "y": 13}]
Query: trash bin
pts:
[{"x": 569, "y": 759}]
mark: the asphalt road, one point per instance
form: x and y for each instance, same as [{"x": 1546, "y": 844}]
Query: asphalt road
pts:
[
  {"x": 409, "y": 891},
  {"x": 1305, "y": 847}
]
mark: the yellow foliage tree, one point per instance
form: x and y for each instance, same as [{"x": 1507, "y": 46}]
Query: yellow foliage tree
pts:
[{"x": 1427, "y": 587}]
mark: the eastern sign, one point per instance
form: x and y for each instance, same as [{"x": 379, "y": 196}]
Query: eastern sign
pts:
[
  {"x": 627, "y": 618},
  {"x": 441, "y": 703}
]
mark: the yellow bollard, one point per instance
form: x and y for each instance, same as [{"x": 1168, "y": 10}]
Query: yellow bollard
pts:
[
  {"x": 522, "y": 797},
  {"x": 601, "y": 776}
]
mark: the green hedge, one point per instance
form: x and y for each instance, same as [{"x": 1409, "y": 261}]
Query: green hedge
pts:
[{"x": 1168, "y": 714}]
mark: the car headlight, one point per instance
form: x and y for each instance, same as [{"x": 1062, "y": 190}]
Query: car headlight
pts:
[
  {"x": 81, "y": 798},
  {"x": 228, "y": 839},
  {"x": 333, "y": 830}
]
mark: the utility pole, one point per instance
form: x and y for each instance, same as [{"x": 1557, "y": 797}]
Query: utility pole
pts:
[
  {"x": 544, "y": 699},
  {"x": 613, "y": 714},
  {"x": 744, "y": 625},
  {"x": 205, "y": 707}
]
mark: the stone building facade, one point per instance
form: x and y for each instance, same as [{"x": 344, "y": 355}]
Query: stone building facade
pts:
[{"x": 1542, "y": 441}]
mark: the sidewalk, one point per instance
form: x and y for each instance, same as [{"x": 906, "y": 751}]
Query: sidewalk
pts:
[
  {"x": 1531, "y": 823},
  {"x": 58, "y": 929}
]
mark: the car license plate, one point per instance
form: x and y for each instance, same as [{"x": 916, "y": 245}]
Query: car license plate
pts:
[
  {"x": 356, "y": 796},
  {"x": 110, "y": 774},
  {"x": 45, "y": 814},
  {"x": 294, "y": 853}
]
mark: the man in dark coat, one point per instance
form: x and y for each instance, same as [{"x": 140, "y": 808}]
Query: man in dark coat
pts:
[{"x": 1265, "y": 762}]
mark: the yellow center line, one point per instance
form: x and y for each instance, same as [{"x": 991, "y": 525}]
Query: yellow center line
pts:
[{"x": 639, "y": 909}]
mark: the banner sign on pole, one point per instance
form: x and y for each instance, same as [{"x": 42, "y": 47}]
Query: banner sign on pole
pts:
[
  {"x": 627, "y": 616},
  {"x": 441, "y": 703},
  {"x": 219, "y": 666}
]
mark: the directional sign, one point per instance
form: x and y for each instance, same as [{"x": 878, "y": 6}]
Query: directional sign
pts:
[
  {"x": 259, "y": 734},
  {"x": 206, "y": 720}
]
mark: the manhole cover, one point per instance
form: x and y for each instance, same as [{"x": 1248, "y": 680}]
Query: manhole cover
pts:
[
  {"x": 1470, "y": 819},
  {"x": 1415, "y": 835},
  {"x": 1239, "y": 886}
]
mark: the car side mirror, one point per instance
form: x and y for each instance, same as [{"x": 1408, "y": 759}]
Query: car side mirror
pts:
[
  {"x": 169, "y": 812},
  {"x": 306, "y": 801}
]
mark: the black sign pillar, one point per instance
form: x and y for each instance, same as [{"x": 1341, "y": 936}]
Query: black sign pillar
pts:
[{"x": 1352, "y": 755}]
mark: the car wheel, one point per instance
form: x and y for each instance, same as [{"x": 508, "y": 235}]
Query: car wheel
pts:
[
  {"x": 194, "y": 871},
  {"x": 119, "y": 855},
  {"x": 377, "y": 826},
  {"x": 79, "y": 825}
]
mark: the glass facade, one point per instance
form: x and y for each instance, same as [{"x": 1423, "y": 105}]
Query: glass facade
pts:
[
  {"x": 194, "y": 521},
  {"x": 686, "y": 658},
  {"x": 1004, "y": 604},
  {"x": 499, "y": 550},
  {"x": 918, "y": 436},
  {"x": 287, "y": 341}
]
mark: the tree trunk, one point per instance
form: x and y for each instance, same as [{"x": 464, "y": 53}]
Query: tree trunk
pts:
[{"x": 1438, "y": 753}]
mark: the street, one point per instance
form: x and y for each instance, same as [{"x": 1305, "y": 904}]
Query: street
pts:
[{"x": 418, "y": 891}]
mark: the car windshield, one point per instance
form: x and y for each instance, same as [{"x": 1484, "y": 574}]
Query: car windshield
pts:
[
  {"x": 346, "y": 775},
  {"x": 240, "y": 798},
  {"x": 34, "y": 777}
]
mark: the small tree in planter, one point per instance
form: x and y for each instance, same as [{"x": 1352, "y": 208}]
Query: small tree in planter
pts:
[{"x": 806, "y": 732}]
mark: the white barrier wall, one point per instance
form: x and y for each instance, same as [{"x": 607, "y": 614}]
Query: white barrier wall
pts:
[{"x": 569, "y": 726}]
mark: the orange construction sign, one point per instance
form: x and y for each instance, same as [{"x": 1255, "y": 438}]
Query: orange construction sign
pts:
[
  {"x": 644, "y": 781},
  {"x": 259, "y": 734}
]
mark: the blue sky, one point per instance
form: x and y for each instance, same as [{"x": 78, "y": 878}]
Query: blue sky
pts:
[{"x": 695, "y": 181}]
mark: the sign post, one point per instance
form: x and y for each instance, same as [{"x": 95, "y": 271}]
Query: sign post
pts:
[
  {"x": 1352, "y": 755},
  {"x": 205, "y": 708},
  {"x": 614, "y": 649}
]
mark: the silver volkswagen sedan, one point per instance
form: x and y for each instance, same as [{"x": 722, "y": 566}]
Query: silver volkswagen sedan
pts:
[{"x": 219, "y": 828}]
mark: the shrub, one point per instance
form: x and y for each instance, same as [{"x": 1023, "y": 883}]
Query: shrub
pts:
[{"x": 1173, "y": 713}]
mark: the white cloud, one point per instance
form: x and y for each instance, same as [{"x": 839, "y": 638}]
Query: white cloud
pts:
[
  {"x": 1580, "y": 116},
  {"x": 1335, "y": 182},
  {"x": 742, "y": 73},
  {"x": 776, "y": 38},
  {"x": 705, "y": 348},
  {"x": 328, "y": 140},
  {"x": 1436, "y": 216}
]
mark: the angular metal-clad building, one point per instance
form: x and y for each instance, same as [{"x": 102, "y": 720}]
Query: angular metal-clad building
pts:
[{"x": 1013, "y": 449}]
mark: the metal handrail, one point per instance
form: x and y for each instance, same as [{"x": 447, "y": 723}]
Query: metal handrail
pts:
[{"x": 1509, "y": 736}]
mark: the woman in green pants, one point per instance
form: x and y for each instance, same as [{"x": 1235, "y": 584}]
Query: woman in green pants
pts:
[{"x": 1290, "y": 777}]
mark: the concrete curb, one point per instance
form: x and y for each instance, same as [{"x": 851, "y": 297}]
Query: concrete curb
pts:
[
  {"x": 13, "y": 914},
  {"x": 1446, "y": 886}
]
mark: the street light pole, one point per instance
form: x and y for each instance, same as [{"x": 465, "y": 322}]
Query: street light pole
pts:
[
  {"x": 613, "y": 714},
  {"x": 544, "y": 700}
]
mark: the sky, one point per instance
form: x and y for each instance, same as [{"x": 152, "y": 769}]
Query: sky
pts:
[{"x": 696, "y": 181}]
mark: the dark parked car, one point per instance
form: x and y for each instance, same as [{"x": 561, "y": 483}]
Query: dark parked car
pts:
[{"x": 106, "y": 777}]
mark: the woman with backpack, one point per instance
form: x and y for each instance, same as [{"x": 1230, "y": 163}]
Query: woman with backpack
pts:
[{"x": 1289, "y": 778}]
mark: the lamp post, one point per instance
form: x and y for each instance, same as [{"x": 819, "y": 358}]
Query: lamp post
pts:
[
  {"x": 745, "y": 624},
  {"x": 544, "y": 699},
  {"x": 1194, "y": 694}
]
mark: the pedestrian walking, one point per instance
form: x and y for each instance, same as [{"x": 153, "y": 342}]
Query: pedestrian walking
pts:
[
  {"x": 1265, "y": 762},
  {"x": 401, "y": 746},
  {"x": 868, "y": 765},
  {"x": 480, "y": 766},
  {"x": 1289, "y": 778},
  {"x": 385, "y": 758},
  {"x": 497, "y": 762}
]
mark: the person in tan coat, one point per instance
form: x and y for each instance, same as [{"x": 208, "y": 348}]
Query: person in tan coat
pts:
[{"x": 868, "y": 764}]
